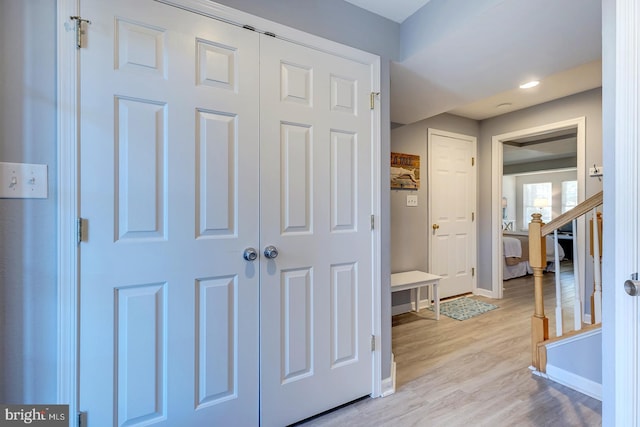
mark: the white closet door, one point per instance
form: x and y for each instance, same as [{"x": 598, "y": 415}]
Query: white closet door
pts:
[
  {"x": 169, "y": 173},
  {"x": 315, "y": 184}
]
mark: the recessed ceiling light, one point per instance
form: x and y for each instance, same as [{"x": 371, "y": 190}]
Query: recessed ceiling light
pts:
[{"x": 529, "y": 85}]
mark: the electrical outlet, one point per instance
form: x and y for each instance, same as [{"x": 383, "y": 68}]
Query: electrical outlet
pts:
[
  {"x": 23, "y": 181},
  {"x": 595, "y": 171},
  {"x": 412, "y": 200}
]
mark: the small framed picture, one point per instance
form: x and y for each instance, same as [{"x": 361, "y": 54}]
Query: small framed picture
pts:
[{"x": 405, "y": 171}]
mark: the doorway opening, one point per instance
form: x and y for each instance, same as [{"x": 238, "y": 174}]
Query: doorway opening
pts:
[{"x": 499, "y": 142}]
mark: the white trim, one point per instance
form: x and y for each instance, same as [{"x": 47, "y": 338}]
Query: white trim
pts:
[
  {"x": 236, "y": 17},
  {"x": 575, "y": 382},
  {"x": 483, "y": 292},
  {"x": 376, "y": 211},
  {"x": 67, "y": 114},
  {"x": 389, "y": 384},
  {"x": 474, "y": 195},
  {"x": 574, "y": 338},
  {"x": 579, "y": 124},
  {"x": 401, "y": 308}
]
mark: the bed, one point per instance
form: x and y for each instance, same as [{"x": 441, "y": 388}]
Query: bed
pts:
[{"x": 516, "y": 255}]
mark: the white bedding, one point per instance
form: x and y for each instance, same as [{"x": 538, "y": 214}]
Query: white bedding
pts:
[{"x": 512, "y": 247}]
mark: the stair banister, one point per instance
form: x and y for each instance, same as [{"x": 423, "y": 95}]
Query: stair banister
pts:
[
  {"x": 567, "y": 217},
  {"x": 537, "y": 260},
  {"x": 579, "y": 292},
  {"x": 558, "y": 284},
  {"x": 596, "y": 298},
  {"x": 539, "y": 322}
]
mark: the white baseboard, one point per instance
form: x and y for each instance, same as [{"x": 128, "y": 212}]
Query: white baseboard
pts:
[
  {"x": 389, "y": 384},
  {"x": 576, "y": 382},
  {"x": 401, "y": 308},
  {"x": 488, "y": 293}
]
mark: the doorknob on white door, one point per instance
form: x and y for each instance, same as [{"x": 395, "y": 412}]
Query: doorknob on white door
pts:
[
  {"x": 271, "y": 252},
  {"x": 435, "y": 226},
  {"x": 250, "y": 254},
  {"x": 632, "y": 286}
]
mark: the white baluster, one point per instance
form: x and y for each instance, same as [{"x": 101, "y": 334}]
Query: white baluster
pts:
[
  {"x": 578, "y": 287},
  {"x": 597, "y": 274},
  {"x": 558, "y": 286}
]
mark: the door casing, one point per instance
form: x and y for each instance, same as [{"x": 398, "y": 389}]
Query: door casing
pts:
[
  {"x": 496, "y": 191},
  {"x": 68, "y": 174}
]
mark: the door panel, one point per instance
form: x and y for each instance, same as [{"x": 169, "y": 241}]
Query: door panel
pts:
[
  {"x": 452, "y": 201},
  {"x": 169, "y": 173},
  {"x": 316, "y": 295}
]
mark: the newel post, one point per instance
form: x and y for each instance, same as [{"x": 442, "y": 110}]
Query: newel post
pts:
[{"x": 538, "y": 260}]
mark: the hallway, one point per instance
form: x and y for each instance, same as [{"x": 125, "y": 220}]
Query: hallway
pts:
[{"x": 472, "y": 373}]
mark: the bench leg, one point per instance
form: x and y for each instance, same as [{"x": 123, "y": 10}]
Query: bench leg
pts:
[{"x": 436, "y": 300}]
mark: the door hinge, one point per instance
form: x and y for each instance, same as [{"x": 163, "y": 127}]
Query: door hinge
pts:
[
  {"x": 373, "y": 222},
  {"x": 473, "y": 271},
  {"x": 373, "y": 343},
  {"x": 79, "y": 31},
  {"x": 81, "y": 232},
  {"x": 473, "y": 161},
  {"x": 372, "y": 99},
  {"x": 473, "y": 216},
  {"x": 82, "y": 419}
]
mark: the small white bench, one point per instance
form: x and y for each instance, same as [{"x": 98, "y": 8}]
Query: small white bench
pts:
[{"x": 414, "y": 280}]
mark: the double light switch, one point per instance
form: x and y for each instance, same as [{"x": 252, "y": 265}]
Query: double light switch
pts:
[{"x": 23, "y": 181}]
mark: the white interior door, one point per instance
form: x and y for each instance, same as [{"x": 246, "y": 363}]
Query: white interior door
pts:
[
  {"x": 316, "y": 296},
  {"x": 169, "y": 173},
  {"x": 452, "y": 207}
]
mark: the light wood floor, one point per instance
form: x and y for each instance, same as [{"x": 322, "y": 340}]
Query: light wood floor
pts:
[{"x": 472, "y": 373}]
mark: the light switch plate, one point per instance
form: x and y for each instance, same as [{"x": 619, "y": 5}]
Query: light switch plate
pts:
[
  {"x": 412, "y": 200},
  {"x": 595, "y": 171},
  {"x": 23, "y": 181}
]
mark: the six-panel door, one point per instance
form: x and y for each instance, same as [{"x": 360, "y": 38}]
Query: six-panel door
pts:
[
  {"x": 315, "y": 192},
  {"x": 169, "y": 175}
]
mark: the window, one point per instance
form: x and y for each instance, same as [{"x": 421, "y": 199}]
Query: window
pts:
[
  {"x": 536, "y": 198},
  {"x": 569, "y": 195}
]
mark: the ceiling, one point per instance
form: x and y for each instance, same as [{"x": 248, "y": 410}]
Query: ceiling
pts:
[
  {"x": 397, "y": 10},
  {"x": 468, "y": 59},
  {"x": 553, "y": 145}
]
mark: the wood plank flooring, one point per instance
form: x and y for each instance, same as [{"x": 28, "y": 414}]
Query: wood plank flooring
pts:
[{"x": 473, "y": 372}]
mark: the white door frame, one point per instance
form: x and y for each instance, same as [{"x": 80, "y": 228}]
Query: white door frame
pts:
[
  {"x": 68, "y": 111},
  {"x": 579, "y": 124}
]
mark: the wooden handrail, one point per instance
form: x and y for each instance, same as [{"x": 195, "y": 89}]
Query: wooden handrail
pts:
[{"x": 567, "y": 217}]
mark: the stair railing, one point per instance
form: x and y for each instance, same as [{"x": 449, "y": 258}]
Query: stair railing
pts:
[{"x": 538, "y": 262}]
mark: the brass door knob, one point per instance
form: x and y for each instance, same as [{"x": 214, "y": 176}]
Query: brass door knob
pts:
[{"x": 435, "y": 226}]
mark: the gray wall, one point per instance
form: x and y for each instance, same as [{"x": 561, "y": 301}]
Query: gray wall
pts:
[
  {"x": 28, "y": 270},
  {"x": 28, "y": 251},
  {"x": 581, "y": 357},
  {"x": 587, "y": 104},
  {"x": 409, "y": 225}
]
